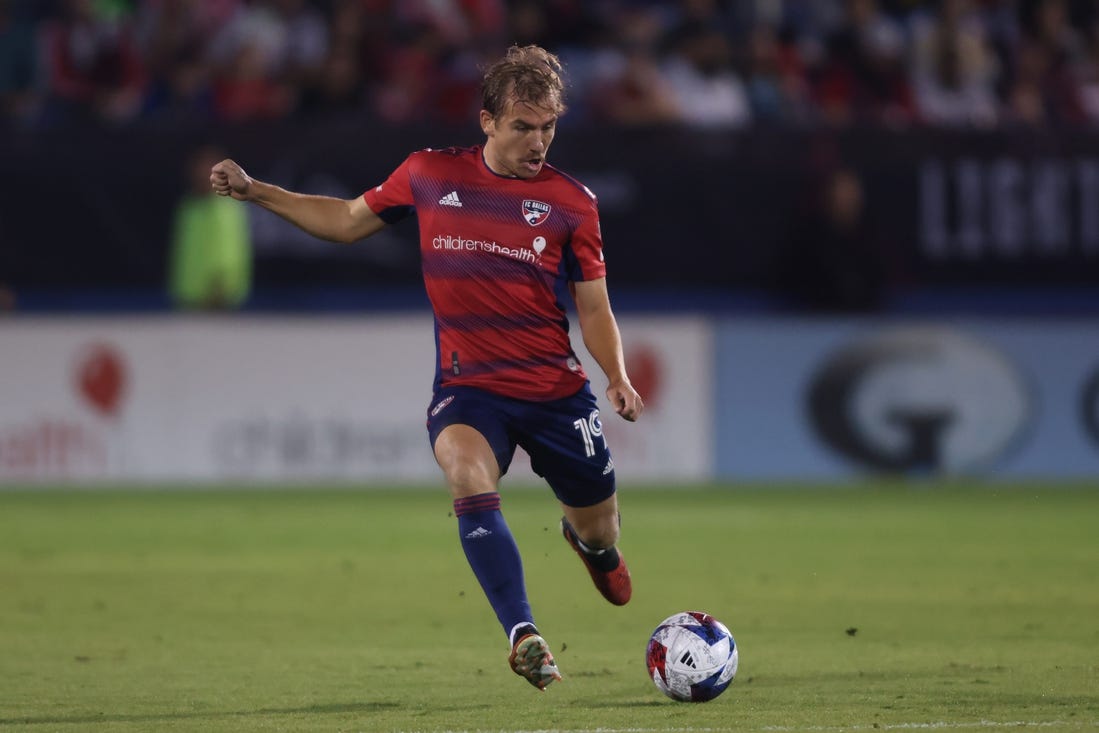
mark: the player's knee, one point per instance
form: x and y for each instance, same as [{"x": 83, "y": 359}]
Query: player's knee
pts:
[
  {"x": 468, "y": 476},
  {"x": 469, "y": 481}
]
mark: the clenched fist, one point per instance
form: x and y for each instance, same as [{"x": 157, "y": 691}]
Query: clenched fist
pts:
[{"x": 229, "y": 179}]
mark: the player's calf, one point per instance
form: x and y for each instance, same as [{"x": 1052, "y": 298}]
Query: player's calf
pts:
[{"x": 606, "y": 567}]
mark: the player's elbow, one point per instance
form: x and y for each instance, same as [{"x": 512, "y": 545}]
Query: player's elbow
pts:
[
  {"x": 353, "y": 234},
  {"x": 350, "y": 230},
  {"x": 345, "y": 237},
  {"x": 596, "y": 314}
]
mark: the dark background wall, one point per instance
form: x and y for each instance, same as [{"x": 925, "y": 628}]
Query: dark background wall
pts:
[{"x": 85, "y": 214}]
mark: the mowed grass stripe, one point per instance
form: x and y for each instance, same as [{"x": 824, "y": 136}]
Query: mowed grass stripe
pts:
[
  {"x": 978, "y": 725},
  {"x": 882, "y": 605}
]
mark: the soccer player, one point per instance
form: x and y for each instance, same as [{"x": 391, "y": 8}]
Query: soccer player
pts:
[{"x": 500, "y": 229}]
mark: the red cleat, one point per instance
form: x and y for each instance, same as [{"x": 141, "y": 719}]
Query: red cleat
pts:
[{"x": 614, "y": 584}]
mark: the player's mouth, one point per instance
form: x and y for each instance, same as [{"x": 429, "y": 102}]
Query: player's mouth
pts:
[{"x": 533, "y": 164}]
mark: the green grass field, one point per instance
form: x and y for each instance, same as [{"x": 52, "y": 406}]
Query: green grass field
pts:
[{"x": 895, "y": 607}]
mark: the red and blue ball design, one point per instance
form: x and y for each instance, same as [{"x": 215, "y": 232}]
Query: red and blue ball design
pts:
[{"x": 692, "y": 657}]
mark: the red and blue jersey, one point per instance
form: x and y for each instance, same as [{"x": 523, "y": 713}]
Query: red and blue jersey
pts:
[{"x": 495, "y": 253}]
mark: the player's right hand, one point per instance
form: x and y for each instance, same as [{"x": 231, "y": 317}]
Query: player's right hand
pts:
[
  {"x": 625, "y": 399},
  {"x": 229, "y": 179}
]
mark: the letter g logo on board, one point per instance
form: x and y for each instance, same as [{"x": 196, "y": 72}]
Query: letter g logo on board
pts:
[
  {"x": 1089, "y": 406},
  {"x": 927, "y": 399}
]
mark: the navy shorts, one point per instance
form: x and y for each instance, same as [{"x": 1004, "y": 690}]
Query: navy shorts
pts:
[{"x": 564, "y": 437}]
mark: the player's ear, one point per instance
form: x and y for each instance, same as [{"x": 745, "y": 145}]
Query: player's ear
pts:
[{"x": 488, "y": 123}]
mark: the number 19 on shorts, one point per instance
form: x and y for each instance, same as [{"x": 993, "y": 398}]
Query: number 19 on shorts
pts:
[{"x": 589, "y": 430}]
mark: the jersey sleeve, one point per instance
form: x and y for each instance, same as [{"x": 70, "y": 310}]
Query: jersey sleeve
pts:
[
  {"x": 392, "y": 200},
  {"x": 587, "y": 246}
]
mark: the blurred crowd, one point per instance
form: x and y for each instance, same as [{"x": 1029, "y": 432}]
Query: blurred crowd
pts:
[{"x": 702, "y": 63}]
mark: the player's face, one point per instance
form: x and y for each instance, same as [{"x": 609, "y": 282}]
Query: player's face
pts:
[{"x": 518, "y": 139}]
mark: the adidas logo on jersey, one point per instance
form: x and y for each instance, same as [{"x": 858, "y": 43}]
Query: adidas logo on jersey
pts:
[{"x": 451, "y": 199}]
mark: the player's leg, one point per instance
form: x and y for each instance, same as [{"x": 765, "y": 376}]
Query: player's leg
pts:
[
  {"x": 471, "y": 470},
  {"x": 567, "y": 447},
  {"x": 467, "y": 460},
  {"x": 592, "y": 531},
  {"x": 473, "y": 450},
  {"x": 597, "y": 526}
]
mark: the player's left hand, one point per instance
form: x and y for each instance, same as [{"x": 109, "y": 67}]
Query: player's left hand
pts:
[{"x": 627, "y": 402}]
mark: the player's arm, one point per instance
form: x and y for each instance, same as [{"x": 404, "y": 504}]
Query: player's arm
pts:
[
  {"x": 325, "y": 217},
  {"x": 601, "y": 336}
]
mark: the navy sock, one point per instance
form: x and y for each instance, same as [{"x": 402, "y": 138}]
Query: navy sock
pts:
[{"x": 494, "y": 557}]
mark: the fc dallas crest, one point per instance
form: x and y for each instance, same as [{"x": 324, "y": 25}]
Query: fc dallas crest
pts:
[{"x": 535, "y": 212}]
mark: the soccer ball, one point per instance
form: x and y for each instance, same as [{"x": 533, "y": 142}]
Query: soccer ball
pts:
[{"x": 692, "y": 657}]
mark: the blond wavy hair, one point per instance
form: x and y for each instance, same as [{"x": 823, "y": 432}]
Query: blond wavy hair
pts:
[{"x": 525, "y": 75}]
